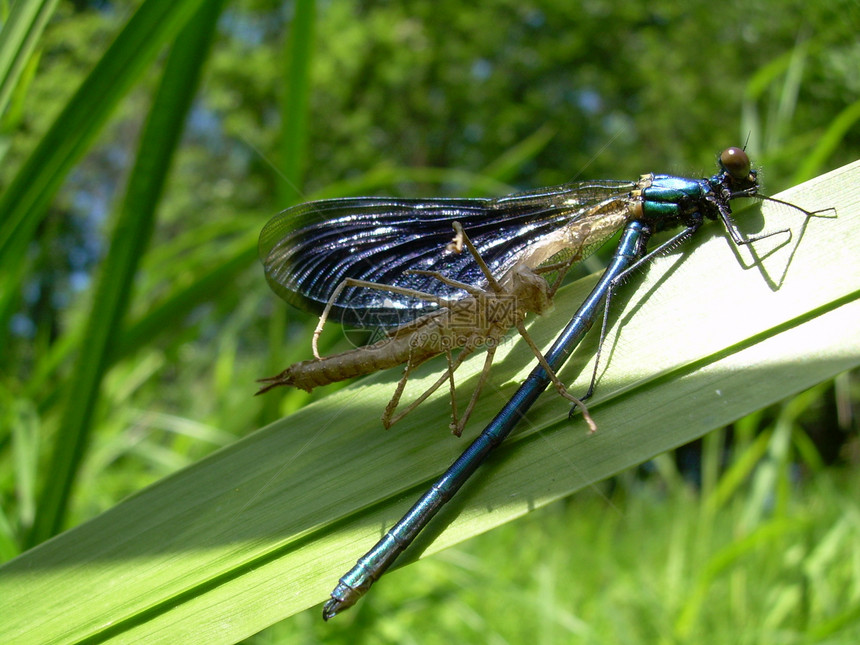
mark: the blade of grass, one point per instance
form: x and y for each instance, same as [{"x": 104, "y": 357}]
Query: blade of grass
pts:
[
  {"x": 828, "y": 142},
  {"x": 298, "y": 54},
  {"x": 18, "y": 39},
  {"x": 263, "y": 528},
  {"x": 137, "y": 217}
]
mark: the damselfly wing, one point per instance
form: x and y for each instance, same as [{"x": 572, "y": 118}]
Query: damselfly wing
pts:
[{"x": 309, "y": 249}]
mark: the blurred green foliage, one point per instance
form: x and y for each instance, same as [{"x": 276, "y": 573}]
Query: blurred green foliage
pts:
[{"x": 623, "y": 83}]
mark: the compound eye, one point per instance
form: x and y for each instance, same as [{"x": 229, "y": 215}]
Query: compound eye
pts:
[{"x": 736, "y": 162}]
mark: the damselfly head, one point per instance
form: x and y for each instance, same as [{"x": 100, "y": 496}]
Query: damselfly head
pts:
[{"x": 736, "y": 162}]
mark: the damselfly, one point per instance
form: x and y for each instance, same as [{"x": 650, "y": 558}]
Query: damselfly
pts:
[{"x": 309, "y": 250}]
